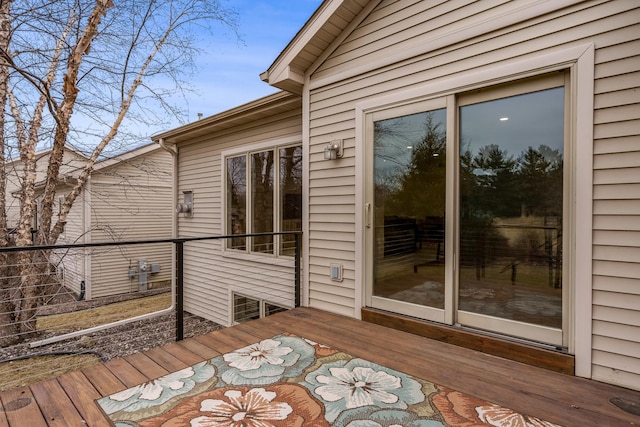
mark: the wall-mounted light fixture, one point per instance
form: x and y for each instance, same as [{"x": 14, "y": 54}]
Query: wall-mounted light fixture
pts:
[
  {"x": 333, "y": 150},
  {"x": 186, "y": 207}
]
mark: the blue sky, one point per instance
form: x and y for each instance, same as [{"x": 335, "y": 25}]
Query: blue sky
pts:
[{"x": 228, "y": 72}]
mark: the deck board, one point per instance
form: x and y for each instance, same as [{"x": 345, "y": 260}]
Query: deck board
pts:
[
  {"x": 556, "y": 397},
  {"x": 167, "y": 360},
  {"x": 21, "y": 408},
  {"x": 3, "y": 417},
  {"x": 56, "y": 406},
  {"x": 125, "y": 372},
  {"x": 147, "y": 366},
  {"x": 83, "y": 394},
  {"x": 103, "y": 379},
  {"x": 563, "y": 399},
  {"x": 198, "y": 348}
]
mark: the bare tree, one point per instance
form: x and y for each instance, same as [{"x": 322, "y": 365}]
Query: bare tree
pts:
[{"x": 72, "y": 73}]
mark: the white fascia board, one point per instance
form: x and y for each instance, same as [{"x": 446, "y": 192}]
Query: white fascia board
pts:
[{"x": 280, "y": 69}]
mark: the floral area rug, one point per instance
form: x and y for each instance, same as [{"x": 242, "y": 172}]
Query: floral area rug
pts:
[{"x": 291, "y": 381}]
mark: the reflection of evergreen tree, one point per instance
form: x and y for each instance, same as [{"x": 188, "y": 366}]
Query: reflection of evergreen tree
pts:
[
  {"x": 540, "y": 182},
  {"x": 496, "y": 185},
  {"x": 421, "y": 190}
]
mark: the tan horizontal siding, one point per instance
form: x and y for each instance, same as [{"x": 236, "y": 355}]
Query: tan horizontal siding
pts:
[
  {"x": 615, "y": 334},
  {"x": 130, "y": 201},
  {"x": 616, "y": 145},
  {"x": 604, "y": 21},
  {"x": 339, "y": 305},
  {"x": 616, "y": 207},
  {"x": 110, "y": 268},
  {"x": 618, "y": 300},
  {"x": 616, "y": 284},
  {"x": 616, "y": 238},
  {"x": 350, "y": 75},
  {"x": 629, "y": 270},
  {"x": 614, "y": 376},
  {"x": 617, "y": 192},
  {"x": 200, "y": 169},
  {"x": 616, "y": 222},
  {"x": 617, "y": 361},
  {"x": 618, "y": 82},
  {"x": 616, "y": 253},
  {"x": 615, "y": 330},
  {"x": 209, "y": 276},
  {"x": 614, "y": 115}
]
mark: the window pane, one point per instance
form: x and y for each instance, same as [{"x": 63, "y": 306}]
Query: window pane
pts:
[
  {"x": 270, "y": 309},
  {"x": 511, "y": 203},
  {"x": 237, "y": 200},
  {"x": 290, "y": 196},
  {"x": 410, "y": 178},
  {"x": 245, "y": 309},
  {"x": 262, "y": 166}
]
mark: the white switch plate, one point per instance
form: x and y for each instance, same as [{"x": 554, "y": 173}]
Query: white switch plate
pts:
[{"x": 335, "y": 272}]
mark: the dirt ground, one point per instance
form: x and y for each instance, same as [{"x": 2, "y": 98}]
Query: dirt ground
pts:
[{"x": 20, "y": 364}]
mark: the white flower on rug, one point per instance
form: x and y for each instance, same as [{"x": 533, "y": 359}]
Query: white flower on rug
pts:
[
  {"x": 158, "y": 391},
  {"x": 253, "y": 409},
  {"x": 266, "y": 362},
  {"x": 254, "y": 356},
  {"x": 345, "y": 385},
  {"x": 498, "y": 416},
  {"x": 358, "y": 387}
]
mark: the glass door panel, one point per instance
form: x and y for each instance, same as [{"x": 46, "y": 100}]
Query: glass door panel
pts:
[
  {"x": 510, "y": 213},
  {"x": 409, "y": 210}
]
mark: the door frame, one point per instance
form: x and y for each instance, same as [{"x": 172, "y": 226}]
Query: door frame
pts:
[{"x": 580, "y": 61}]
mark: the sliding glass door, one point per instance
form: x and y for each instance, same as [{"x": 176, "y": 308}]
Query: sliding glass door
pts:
[{"x": 466, "y": 208}]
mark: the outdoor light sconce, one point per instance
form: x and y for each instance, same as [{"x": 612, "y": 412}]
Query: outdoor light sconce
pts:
[
  {"x": 186, "y": 207},
  {"x": 333, "y": 150}
]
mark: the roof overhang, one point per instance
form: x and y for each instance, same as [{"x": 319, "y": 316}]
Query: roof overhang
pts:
[
  {"x": 268, "y": 106},
  {"x": 315, "y": 39}
]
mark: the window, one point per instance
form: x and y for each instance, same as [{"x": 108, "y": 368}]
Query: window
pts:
[
  {"x": 247, "y": 308},
  {"x": 264, "y": 195}
]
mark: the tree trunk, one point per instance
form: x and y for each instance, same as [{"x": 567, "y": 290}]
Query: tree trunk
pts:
[{"x": 7, "y": 325}]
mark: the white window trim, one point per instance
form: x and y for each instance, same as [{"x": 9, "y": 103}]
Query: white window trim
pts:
[
  {"x": 580, "y": 61},
  {"x": 265, "y": 258}
]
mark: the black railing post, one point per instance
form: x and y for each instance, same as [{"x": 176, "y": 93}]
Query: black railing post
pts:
[
  {"x": 179, "y": 290},
  {"x": 298, "y": 257}
]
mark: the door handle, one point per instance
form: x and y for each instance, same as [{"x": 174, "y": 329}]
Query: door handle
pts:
[{"x": 367, "y": 215}]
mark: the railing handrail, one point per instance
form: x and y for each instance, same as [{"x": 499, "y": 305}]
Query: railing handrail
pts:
[
  {"x": 178, "y": 290},
  {"x": 142, "y": 242}
]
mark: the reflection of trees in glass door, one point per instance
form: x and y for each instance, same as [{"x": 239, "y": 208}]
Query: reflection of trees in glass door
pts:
[
  {"x": 503, "y": 185},
  {"x": 511, "y": 208},
  {"x": 409, "y": 208}
]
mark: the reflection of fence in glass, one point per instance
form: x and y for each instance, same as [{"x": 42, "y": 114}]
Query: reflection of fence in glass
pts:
[{"x": 522, "y": 254}]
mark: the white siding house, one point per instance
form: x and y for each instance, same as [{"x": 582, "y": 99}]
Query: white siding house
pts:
[
  {"x": 488, "y": 89},
  {"x": 127, "y": 198},
  {"x": 72, "y": 160}
]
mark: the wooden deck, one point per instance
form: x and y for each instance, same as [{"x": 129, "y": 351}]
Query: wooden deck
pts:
[{"x": 69, "y": 400}]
